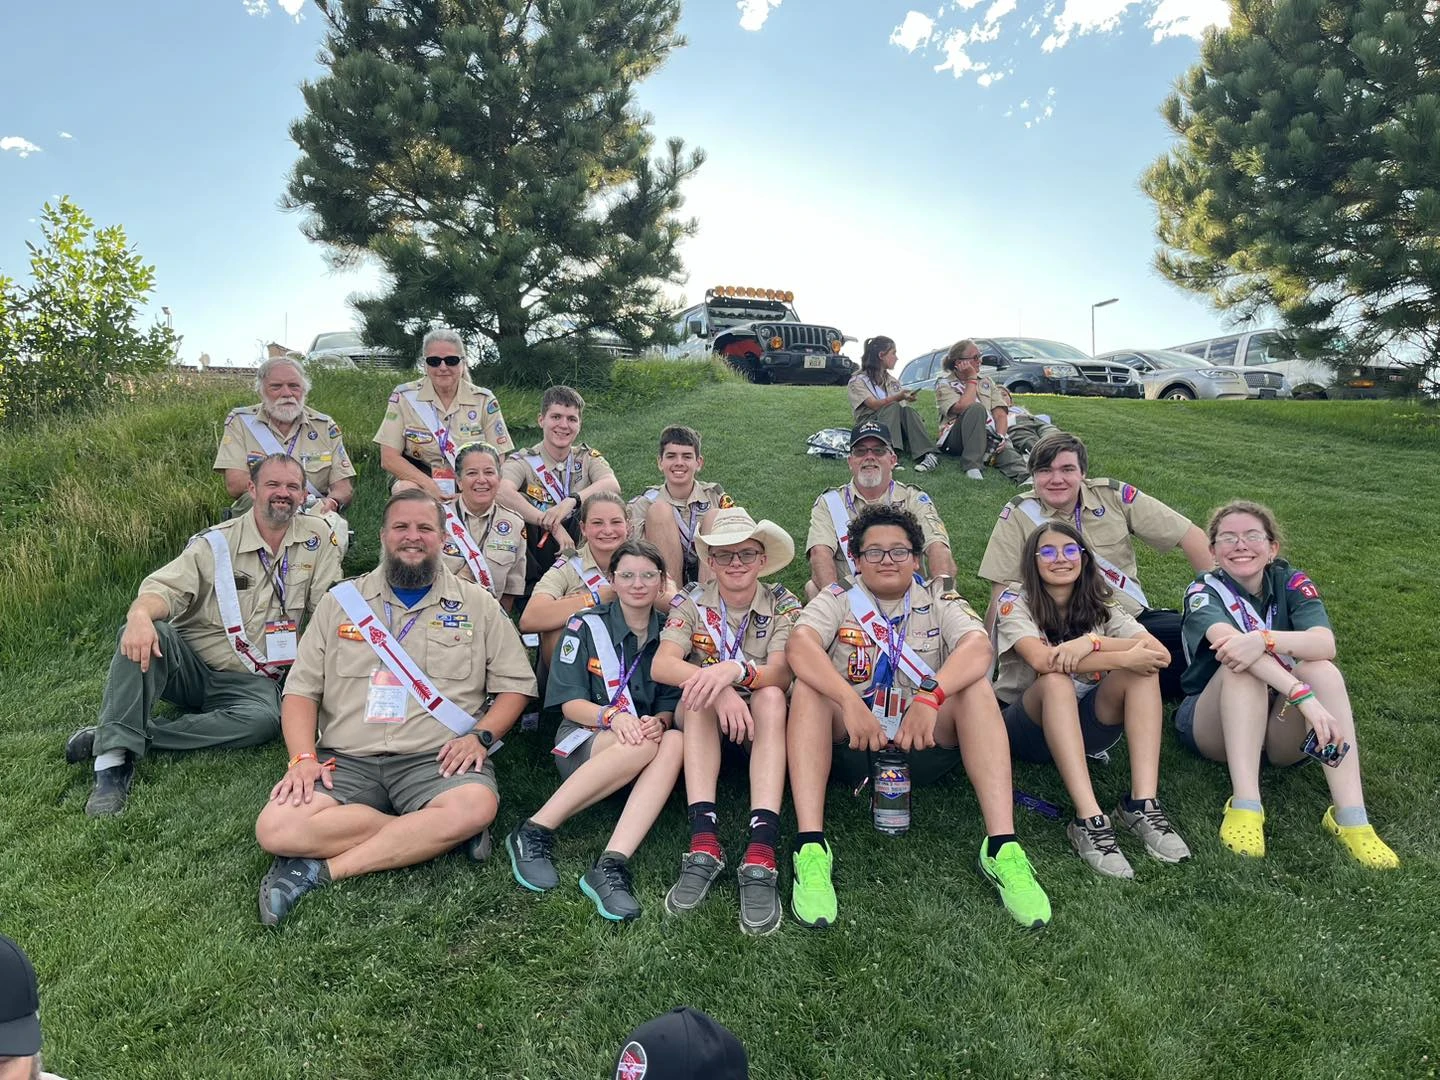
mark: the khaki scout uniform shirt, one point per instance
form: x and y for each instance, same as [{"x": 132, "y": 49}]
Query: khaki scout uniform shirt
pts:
[
  {"x": 462, "y": 639},
  {"x": 948, "y": 391},
  {"x": 938, "y": 620},
  {"x": 315, "y": 443},
  {"x": 1014, "y": 622},
  {"x": 586, "y": 467},
  {"x": 474, "y": 416},
  {"x": 772, "y": 613},
  {"x": 562, "y": 580},
  {"x": 860, "y": 387},
  {"x": 500, "y": 535},
  {"x": 703, "y": 496},
  {"x": 900, "y": 496},
  {"x": 187, "y": 584},
  {"x": 1108, "y": 514}
]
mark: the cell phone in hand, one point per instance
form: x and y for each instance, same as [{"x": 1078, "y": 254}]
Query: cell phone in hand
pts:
[{"x": 1329, "y": 755}]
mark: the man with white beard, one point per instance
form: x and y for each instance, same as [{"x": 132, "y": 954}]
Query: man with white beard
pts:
[
  {"x": 213, "y": 632},
  {"x": 282, "y": 424}
]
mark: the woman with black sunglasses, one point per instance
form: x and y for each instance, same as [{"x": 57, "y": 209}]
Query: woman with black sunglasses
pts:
[
  {"x": 1078, "y": 671},
  {"x": 429, "y": 419}
]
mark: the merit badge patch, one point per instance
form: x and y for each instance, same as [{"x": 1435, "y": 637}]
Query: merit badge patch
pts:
[
  {"x": 1128, "y": 493},
  {"x": 1099, "y": 511},
  {"x": 472, "y": 415},
  {"x": 502, "y": 527},
  {"x": 493, "y": 407},
  {"x": 1300, "y": 582},
  {"x": 313, "y": 434},
  {"x": 1198, "y": 601},
  {"x": 334, "y": 431},
  {"x": 633, "y": 1063},
  {"x": 450, "y": 605},
  {"x": 350, "y": 632},
  {"x": 569, "y": 650},
  {"x": 312, "y": 543}
]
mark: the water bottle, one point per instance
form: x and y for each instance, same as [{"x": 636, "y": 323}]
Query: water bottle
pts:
[{"x": 890, "y": 792}]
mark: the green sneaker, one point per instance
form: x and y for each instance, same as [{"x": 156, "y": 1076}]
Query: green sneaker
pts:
[
  {"x": 812, "y": 897},
  {"x": 1014, "y": 879}
]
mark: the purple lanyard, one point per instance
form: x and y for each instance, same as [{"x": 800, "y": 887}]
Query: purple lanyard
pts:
[
  {"x": 625, "y": 679},
  {"x": 390, "y": 621},
  {"x": 896, "y": 645},
  {"x": 276, "y": 580},
  {"x": 731, "y": 652},
  {"x": 850, "y": 499},
  {"x": 290, "y": 450}
]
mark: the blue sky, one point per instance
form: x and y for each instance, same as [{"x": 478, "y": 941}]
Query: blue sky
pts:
[{"x": 921, "y": 172}]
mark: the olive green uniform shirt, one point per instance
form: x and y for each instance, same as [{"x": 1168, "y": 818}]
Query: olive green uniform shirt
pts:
[
  {"x": 948, "y": 392},
  {"x": 772, "y": 614},
  {"x": 500, "y": 535},
  {"x": 474, "y": 416},
  {"x": 576, "y": 673},
  {"x": 316, "y": 443},
  {"x": 901, "y": 496},
  {"x": 1014, "y": 623}
]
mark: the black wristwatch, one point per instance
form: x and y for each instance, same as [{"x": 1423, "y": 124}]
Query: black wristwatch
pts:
[
  {"x": 485, "y": 737},
  {"x": 929, "y": 685}
]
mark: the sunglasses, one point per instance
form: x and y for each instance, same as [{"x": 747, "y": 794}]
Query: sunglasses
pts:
[{"x": 436, "y": 361}]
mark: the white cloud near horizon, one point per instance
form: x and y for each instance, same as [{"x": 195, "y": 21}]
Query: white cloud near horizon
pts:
[
  {"x": 913, "y": 32},
  {"x": 23, "y": 146},
  {"x": 292, "y": 8},
  {"x": 65, "y": 135},
  {"x": 753, "y": 13}
]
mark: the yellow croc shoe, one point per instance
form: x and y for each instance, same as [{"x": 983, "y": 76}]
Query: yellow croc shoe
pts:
[
  {"x": 1243, "y": 831},
  {"x": 1362, "y": 842}
]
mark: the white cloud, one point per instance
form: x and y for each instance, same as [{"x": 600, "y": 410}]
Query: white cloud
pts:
[
  {"x": 24, "y": 146},
  {"x": 65, "y": 135},
  {"x": 1084, "y": 17},
  {"x": 1188, "y": 18},
  {"x": 753, "y": 13},
  {"x": 292, "y": 8},
  {"x": 957, "y": 60},
  {"x": 913, "y": 32},
  {"x": 998, "y": 10}
]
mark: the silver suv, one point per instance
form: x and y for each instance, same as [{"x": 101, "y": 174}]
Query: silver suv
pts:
[{"x": 1266, "y": 350}]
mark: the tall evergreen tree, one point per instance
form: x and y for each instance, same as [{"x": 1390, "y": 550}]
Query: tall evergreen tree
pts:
[
  {"x": 1307, "y": 173},
  {"x": 490, "y": 155}
]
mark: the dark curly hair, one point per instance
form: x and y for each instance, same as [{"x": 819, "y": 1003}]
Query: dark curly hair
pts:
[{"x": 881, "y": 514}]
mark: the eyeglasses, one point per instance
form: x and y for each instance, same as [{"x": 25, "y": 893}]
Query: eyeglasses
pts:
[
  {"x": 1254, "y": 536},
  {"x": 629, "y": 577},
  {"x": 436, "y": 361},
  {"x": 869, "y": 451},
  {"x": 727, "y": 558},
  {"x": 1049, "y": 552},
  {"x": 878, "y": 555}
]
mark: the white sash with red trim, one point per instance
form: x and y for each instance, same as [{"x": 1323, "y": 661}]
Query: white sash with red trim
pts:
[
  {"x": 474, "y": 557},
  {"x": 840, "y": 517},
  {"x": 427, "y": 413},
  {"x": 393, "y": 655},
  {"x": 1243, "y": 614},
  {"x": 271, "y": 445},
  {"x": 1113, "y": 574},
  {"x": 229, "y": 600},
  {"x": 559, "y": 489},
  {"x": 609, "y": 664},
  {"x": 594, "y": 580},
  {"x": 878, "y": 628},
  {"x": 727, "y": 648}
]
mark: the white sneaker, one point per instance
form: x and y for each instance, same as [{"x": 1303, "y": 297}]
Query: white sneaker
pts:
[
  {"x": 927, "y": 463},
  {"x": 975, "y": 474}
]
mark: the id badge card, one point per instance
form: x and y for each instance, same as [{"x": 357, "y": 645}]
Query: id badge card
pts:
[
  {"x": 888, "y": 709},
  {"x": 572, "y": 742},
  {"x": 386, "y": 700},
  {"x": 281, "y": 641},
  {"x": 445, "y": 481}
]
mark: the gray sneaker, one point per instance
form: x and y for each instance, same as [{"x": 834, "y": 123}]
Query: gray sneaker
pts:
[
  {"x": 760, "y": 908},
  {"x": 1094, "y": 841},
  {"x": 1153, "y": 828},
  {"x": 698, "y": 871},
  {"x": 608, "y": 884},
  {"x": 529, "y": 848}
]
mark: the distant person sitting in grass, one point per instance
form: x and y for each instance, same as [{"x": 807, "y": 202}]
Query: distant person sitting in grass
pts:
[
  {"x": 617, "y": 730},
  {"x": 890, "y": 663},
  {"x": 1076, "y": 672},
  {"x": 385, "y": 719},
  {"x": 1262, "y": 680},
  {"x": 484, "y": 541},
  {"x": 671, "y": 514},
  {"x": 876, "y": 396},
  {"x": 975, "y": 416},
  {"x": 213, "y": 631}
]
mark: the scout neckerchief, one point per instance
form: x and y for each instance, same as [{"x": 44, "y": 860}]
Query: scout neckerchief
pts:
[
  {"x": 474, "y": 555},
  {"x": 559, "y": 490},
  {"x": 895, "y": 653},
  {"x": 229, "y": 601},
  {"x": 719, "y": 624},
  {"x": 594, "y": 580},
  {"x": 617, "y": 683},
  {"x": 393, "y": 655},
  {"x": 1244, "y": 615},
  {"x": 431, "y": 419},
  {"x": 841, "y": 504},
  {"x": 271, "y": 445},
  {"x": 1117, "y": 577}
]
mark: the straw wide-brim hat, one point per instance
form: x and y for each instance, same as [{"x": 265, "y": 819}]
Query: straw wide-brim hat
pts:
[{"x": 735, "y": 525}]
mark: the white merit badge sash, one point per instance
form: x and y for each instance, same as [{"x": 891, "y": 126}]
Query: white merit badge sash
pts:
[
  {"x": 271, "y": 445},
  {"x": 431, "y": 418},
  {"x": 727, "y": 648},
  {"x": 840, "y": 517},
  {"x": 229, "y": 601},
  {"x": 609, "y": 664},
  {"x": 393, "y": 655},
  {"x": 594, "y": 580},
  {"x": 889, "y": 702},
  {"x": 474, "y": 557},
  {"x": 1117, "y": 577},
  {"x": 558, "y": 489},
  {"x": 1243, "y": 614}
]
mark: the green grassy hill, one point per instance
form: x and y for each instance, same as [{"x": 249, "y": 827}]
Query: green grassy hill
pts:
[{"x": 153, "y": 962}]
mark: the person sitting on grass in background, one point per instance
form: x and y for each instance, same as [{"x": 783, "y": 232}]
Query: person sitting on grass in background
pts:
[
  {"x": 670, "y": 515},
  {"x": 547, "y": 483},
  {"x": 1262, "y": 677},
  {"x": 391, "y": 684},
  {"x": 724, "y": 646},
  {"x": 876, "y": 396},
  {"x": 616, "y": 731},
  {"x": 484, "y": 541},
  {"x": 975, "y": 416},
  {"x": 892, "y": 662},
  {"x": 1075, "y": 672}
]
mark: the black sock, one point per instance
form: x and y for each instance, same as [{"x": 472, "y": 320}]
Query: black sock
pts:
[
  {"x": 1134, "y": 805},
  {"x": 993, "y": 844},
  {"x": 765, "y": 828},
  {"x": 704, "y": 829},
  {"x": 803, "y": 838}
]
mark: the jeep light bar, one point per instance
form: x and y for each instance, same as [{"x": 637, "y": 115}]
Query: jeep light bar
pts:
[{"x": 744, "y": 293}]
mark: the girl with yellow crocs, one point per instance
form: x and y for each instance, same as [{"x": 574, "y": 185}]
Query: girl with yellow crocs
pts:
[{"x": 1262, "y": 678}]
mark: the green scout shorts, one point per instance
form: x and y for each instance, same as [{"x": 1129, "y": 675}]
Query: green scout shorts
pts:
[{"x": 398, "y": 783}]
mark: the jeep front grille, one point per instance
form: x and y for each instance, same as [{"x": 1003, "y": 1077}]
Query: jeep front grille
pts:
[{"x": 800, "y": 335}]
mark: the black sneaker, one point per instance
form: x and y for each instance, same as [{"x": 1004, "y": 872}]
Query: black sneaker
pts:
[
  {"x": 112, "y": 788},
  {"x": 608, "y": 884},
  {"x": 286, "y": 882},
  {"x": 479, "y": 847},
  {"x": 698, "y": 871},
  {"x": 530, "y": 847},
  {"x": 760, "y": 908},
  {"x": 80, "y": 746}
]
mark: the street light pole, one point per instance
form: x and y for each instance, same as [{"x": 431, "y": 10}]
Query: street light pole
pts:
[{"x": 1100, "y": 303}]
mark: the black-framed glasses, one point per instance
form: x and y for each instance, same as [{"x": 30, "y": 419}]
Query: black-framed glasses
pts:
[
  {"x": 726, "y": 558},
  {"x": 879, "y": 555},
  {"x": 436, "y": 361}
]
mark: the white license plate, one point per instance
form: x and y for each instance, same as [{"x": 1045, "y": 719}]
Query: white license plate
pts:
[{"x": 815, "y": 362}]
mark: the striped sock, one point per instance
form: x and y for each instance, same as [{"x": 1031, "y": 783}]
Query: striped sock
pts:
[{"x": 704, "y": 830}]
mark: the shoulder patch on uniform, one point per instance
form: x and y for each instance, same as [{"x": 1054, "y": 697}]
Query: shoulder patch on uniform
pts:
[
  {"x": 1300, "y": 582},
  {"x": 569, "y": 649},
  {"x": 949, "y": 594},
  {"x": 575, "y": 623},
  {"x": 674, "y": 622},
  {"x": 1005, "y": 512},
  {"x": 923, "y": 498},
  {"x": 1128, "y": 493},
  {"x": 558, "y": 563},
  {"x": 1197, "y": 601},
  {"x": 785, "y": 600},
  {"x": 1194, "y": 587},
  {"x": 726, "y": 502},
  {"x": 1008, "y": 594},
  {"x": 836, "y": 589},
  {"x": 334, "y": 431},
  {"x": 594, "y": 453}
]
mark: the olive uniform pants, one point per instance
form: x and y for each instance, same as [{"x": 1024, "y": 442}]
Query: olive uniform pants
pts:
[{"x": 967, "y": 439}]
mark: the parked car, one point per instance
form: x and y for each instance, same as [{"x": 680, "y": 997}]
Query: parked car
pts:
[
  {"x": 1177, "y": 376},
  {"x": 1268, "y": 350},
  {"x": 1034, "y": 366},
  {"x": 349, "y": 344}
]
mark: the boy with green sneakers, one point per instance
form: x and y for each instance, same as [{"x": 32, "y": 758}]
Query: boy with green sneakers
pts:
[{"x": 894, "y": 662}]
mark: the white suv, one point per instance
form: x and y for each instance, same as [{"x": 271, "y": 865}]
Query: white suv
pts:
[{"x": 1266, "y": 350}]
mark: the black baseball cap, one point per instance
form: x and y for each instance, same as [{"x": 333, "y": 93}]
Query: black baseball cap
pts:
[
  {"x": 682, "y": 1044},
  {"x": 19, "y": 1003},
  {"x": 871, "y": 429}
]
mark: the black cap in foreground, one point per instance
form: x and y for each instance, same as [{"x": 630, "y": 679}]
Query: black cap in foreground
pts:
[{"x": 682, "y": 1044}]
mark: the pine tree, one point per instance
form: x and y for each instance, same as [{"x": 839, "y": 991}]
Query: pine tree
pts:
[
  {"x": 490, "y": 156},
  {"x": 1306, "y": 178}
]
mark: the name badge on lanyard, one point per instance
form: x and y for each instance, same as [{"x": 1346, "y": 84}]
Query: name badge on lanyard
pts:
[
  {"x": 387, "y": 699},
  {"x": 281, "y": 641},
  {"x": 889, "y": 709},
  {"x": 444, "y": 478},
  {"x": 572, "y": 742}
]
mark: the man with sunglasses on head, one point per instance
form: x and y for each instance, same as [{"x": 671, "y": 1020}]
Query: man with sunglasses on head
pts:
[
  {"x": 872, "y": 482},
  {"x": 428, "y": 420},
  {"x": 890, "y": 662},
  {"x": 1108, "y": 514}
]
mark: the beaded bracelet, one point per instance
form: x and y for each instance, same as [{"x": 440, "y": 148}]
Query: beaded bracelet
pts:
[
  {"x": 1094, "y": 642},
  {"x": 1269, "y": 640}
]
